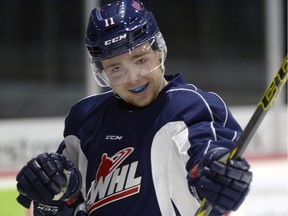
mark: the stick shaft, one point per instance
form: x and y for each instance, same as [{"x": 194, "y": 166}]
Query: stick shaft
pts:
[{"x": 263, "y": 107}]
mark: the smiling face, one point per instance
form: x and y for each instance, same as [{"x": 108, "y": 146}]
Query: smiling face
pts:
[{"x": 136, "y": 76}]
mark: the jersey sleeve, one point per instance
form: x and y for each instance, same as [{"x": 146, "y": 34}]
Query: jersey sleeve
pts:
[
  {"x": 209, "y": 122},
  {"x": 220, "y": 130}
]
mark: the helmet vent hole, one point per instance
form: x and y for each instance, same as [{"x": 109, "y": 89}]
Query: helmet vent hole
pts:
[
  {"x": 94, "y": 49},
  {"x": 137, "y": 33},
  {"x": 111, "y": 28},
  {"x": 132, "y": 20}
]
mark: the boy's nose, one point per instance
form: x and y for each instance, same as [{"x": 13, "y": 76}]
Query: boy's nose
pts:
[{"x": 134, "y": 73}]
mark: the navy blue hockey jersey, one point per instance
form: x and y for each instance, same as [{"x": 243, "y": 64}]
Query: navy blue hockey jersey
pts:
[{"x": 134, "y": 161}]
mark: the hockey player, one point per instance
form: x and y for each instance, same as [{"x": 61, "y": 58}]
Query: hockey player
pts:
[{"x": 149, "y": 145}]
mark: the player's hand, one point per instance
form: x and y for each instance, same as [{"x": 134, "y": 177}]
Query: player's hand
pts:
[
  {"x": 225, "y": 186},
  {"x": 49, "y": 177}
]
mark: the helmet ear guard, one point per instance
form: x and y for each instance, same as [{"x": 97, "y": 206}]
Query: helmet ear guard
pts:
[
  {"x": 98, "y": 74},
  {"x": 163, "y": 48}
]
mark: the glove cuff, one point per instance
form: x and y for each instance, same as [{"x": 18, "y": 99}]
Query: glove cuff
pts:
[
  {"x": 213, "y": 155},
  {"x": 74, "y": 186}
]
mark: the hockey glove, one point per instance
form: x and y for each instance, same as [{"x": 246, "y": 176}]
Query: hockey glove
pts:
[
  {"x": 225, "y": 186},
  {"x": 48, "y": 178}
]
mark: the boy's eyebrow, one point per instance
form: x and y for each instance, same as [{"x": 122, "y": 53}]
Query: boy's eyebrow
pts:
[
  {"x": 140, "y": 55},
  {"x": 112, "y": 65}
]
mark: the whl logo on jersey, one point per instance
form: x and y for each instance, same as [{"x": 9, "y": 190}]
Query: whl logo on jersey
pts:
[{"x": 113, "y": 181}]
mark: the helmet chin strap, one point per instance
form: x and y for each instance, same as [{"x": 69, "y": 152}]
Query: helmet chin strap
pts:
[{"x": 161, "y": 86}]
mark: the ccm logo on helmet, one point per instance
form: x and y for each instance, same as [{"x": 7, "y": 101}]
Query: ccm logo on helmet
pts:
[{"x": 115, "y": 40}]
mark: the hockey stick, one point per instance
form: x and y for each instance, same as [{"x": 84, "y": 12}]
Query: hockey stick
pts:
[{"x": 263, "y": 107}]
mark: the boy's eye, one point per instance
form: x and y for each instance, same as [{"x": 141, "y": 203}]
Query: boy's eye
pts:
[
  {"x": 141, "y": 61},
  {"x": 116, "y": 69}
]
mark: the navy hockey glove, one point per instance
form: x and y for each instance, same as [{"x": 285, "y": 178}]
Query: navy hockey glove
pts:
[
  {"x": 225, "y": 186},
  {"x": 48, "y": 178}
]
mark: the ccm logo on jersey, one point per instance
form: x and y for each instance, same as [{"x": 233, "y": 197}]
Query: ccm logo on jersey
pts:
[
  {"x": 113, "y": 137},
  {"x": 115, "y": 40},
  {"x": 113, "y": 181}
]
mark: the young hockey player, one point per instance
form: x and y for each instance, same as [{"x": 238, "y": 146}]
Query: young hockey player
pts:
[{"x": 149, "y": 145}]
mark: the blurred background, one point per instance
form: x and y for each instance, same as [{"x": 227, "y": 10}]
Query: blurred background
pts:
[{"x": 233, "y": 48}]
